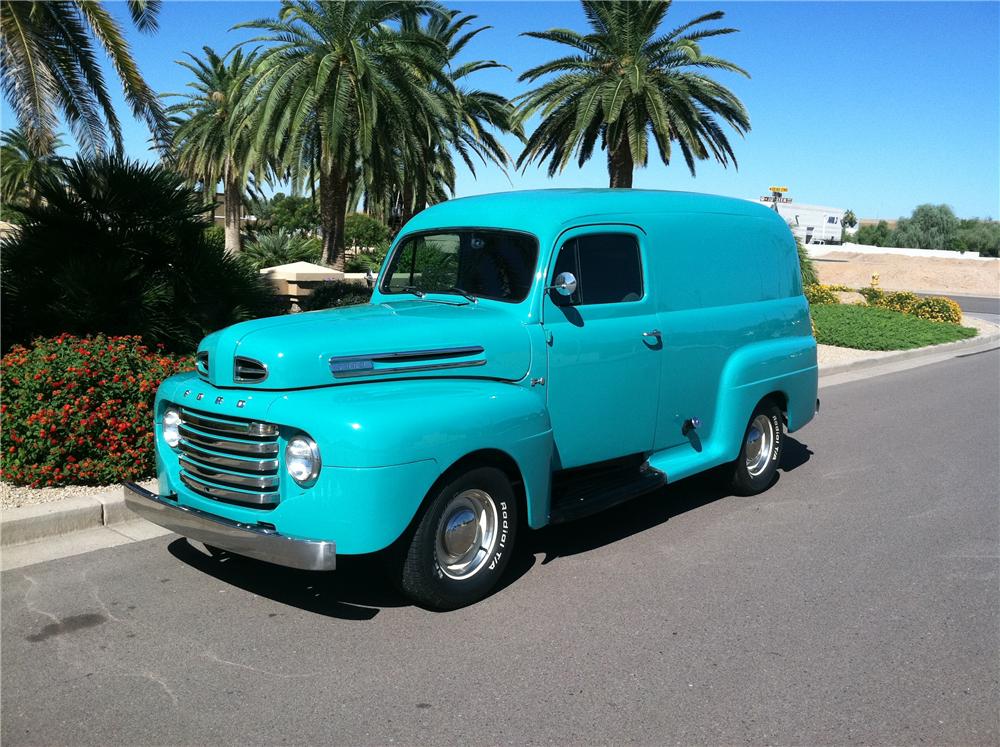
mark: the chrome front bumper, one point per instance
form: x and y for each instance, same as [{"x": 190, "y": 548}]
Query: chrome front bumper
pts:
[{"x": 242, "y": 539}]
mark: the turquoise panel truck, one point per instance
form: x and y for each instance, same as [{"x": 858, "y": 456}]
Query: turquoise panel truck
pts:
[{"x": 526, "y": 358}]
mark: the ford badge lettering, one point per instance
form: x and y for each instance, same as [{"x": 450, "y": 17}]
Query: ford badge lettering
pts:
[{"x": 342, "y": 366}]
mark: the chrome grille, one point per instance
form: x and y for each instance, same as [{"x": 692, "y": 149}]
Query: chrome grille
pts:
[
  {"x": 248, "y": 370},
  {"x": 229, "y": 459},
  {"x": 201, "y": 364}
]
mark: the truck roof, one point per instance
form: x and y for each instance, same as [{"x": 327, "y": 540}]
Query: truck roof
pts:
[{"x": 538, "y": 209}]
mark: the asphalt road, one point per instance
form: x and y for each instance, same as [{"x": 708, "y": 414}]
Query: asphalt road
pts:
[{"x": 855, "y": 602}]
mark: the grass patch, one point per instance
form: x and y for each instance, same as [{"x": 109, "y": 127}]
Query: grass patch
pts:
[{"x": 872, "y": 328}]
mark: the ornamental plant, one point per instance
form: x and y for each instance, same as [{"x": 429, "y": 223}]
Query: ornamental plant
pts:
[
  {"x": 79, "y": 410},
  {"x": 118, "y": 247},
  {"x": 937, "y": 309},
  {"x": 901, "y": 301},
  {"x": 817, "y": 294},
  {"x": 931, "y": 308}
]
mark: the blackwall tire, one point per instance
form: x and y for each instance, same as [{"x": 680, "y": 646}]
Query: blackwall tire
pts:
[
  {"x": 756, "y": 468},
  {"x": 463, "y": 542}
]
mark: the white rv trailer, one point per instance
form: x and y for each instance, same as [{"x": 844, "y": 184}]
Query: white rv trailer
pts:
[{"x": 813, "y": 224}]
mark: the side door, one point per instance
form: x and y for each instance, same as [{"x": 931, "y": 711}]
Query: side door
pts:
[{"x": 603, "y": 346}]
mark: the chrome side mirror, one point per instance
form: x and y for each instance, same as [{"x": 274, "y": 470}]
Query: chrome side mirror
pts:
[{"x": 564, "y": 284}]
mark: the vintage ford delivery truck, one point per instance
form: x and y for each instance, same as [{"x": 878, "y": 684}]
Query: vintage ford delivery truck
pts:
[{"x": 526, "y": 358}]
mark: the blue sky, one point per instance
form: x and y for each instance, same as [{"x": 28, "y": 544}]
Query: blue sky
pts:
[{"x": 876, "y": 107}]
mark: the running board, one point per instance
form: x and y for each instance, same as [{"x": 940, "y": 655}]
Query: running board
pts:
[{"x": 590, "y": 492}]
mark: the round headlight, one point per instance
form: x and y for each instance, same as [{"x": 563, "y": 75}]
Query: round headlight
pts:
[
  {"x": 171, "y": 426},
  {"x": 302, "y": 459}
]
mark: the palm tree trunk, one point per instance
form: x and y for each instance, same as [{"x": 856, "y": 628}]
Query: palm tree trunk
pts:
[
  {"x": 406, "y": 200},
  {"x": 621, "y": 166},
  {"x": 333, "y": 189},
  {"x": 233, "y": 207},
  {"x": 421, "y": 197},
  {"x": 421, "y": 200}
]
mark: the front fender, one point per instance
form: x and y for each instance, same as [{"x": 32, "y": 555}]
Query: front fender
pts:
[{"x": 380, "y": 424}]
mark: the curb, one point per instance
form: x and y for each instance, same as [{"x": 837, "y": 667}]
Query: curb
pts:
[
  {"x": 31, "y": 523},
  {"x": 902, "y": 355}
]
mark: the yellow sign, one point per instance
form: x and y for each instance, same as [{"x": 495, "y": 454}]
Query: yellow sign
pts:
[{"x": 778, "y": 189}]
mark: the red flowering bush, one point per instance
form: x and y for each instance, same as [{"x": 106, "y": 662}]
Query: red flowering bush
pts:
[{"x": 79, "y": 410}]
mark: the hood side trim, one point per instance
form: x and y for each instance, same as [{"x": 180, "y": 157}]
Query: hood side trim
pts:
[
  {"x": 369, "y": 370},
  {"x": 409, "y": 356}
]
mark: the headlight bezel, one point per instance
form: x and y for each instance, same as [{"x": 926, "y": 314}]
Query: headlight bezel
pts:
[
  {"x": 170, "y": 431},
  {"x": 307, "y": 449}
]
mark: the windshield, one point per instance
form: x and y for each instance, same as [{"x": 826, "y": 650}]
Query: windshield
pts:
[{"x": 479, "y": 263}]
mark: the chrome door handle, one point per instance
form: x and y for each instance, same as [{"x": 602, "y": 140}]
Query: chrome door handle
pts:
[{"x": 653, "y": 333}]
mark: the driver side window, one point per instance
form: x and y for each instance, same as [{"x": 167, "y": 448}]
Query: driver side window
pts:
[{"x": 607, "y": 268}]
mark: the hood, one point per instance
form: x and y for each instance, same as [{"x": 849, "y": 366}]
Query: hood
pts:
[{"x": 368, "y": 342}]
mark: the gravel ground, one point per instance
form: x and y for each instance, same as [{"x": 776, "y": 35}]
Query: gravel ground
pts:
[{"x": 13, "y": 496}]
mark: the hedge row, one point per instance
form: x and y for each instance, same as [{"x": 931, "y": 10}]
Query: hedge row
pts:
[{"x": 79, "y": 410}]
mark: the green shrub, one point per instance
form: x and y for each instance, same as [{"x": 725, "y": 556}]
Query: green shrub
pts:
[
  {"x": 872, "y": 328},
  {"x": 280, "y": 247},
  {"x": 981, "y": 236},
  {"x": 79, "y": 410},
  {"x": 817, "y": 294},
  {"x": 901, "y": 301},
  {"x": 365, "y": 232},
  {"x": 215, "y": 237},
  {"x": 806, "y": 266},
  {"x": 937, "y": 309},
  {"x": 932, "y": 308},
  {"x": 872, "y": 295},
  {"x": 121, "y": 250},
  {"x": 877, "y": 235},
  {"x": 334, "y": 293},
  {"x": 928, "y": 227},
  {"x": 363, "y": 261},
  {"x": 288, "y": 212}
]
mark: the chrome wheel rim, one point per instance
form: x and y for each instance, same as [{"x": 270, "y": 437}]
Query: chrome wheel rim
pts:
[
  {"x": 467, "y": 534},
  {"x": 759, "y": 444}
]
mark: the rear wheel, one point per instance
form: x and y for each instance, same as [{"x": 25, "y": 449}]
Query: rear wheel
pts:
[
  {"x": 755, "y": 469},
  {"x": 463, "y": 541}
]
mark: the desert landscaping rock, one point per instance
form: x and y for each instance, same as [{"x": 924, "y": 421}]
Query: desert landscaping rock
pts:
[{"x": 852, "y": 297}]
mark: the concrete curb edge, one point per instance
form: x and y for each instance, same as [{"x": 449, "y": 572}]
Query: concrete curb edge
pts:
[
  {"x": 933, "y": 351},
  {"x": 40, "y": 521}
]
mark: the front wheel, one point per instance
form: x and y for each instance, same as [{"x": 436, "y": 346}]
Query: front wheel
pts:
[
  {"x": 463, "y": 541},
  {"x": 755, "y": 469}
]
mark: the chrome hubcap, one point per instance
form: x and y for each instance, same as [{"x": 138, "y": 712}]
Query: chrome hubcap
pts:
[
  {"x": 467, "y": 534},
  {"x": 759, "y": 444}
]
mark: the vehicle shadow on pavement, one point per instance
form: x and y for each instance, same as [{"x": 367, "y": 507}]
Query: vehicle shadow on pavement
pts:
[
  {"x": 360, "y": 587},
  {"x": 355, "y": 591},
  {"x": 648, "y": 511}
]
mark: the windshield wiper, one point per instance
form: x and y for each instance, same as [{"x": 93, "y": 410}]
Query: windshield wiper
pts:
[
  {"x": 459, "y": 291},
  {"x": 414, "y": 290}
]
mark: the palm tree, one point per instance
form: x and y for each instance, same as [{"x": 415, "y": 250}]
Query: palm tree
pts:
[
  {"x": 332, "y": 73},
  {"x": 472, "y": 115},
  {"x": 623, "y": 82},
  {"x": 213, "y": 140},
  {"x": 124, "y": 244},
  {"x": 22, "y": 168},
  {"x": 48, "y": 64}
]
